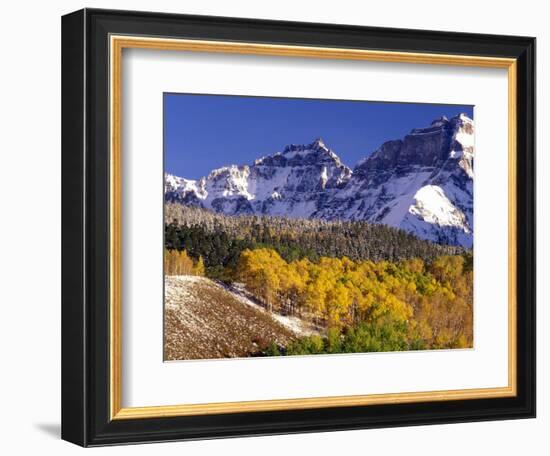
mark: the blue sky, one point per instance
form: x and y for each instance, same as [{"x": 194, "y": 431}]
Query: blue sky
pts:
[{"x": 204, "y": 132}]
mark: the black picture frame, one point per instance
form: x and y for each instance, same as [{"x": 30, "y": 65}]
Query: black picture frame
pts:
[{"x": 85, "y": 228}]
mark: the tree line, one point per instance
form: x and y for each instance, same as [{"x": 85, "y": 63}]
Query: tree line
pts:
[{"x": 221, "y": 239}]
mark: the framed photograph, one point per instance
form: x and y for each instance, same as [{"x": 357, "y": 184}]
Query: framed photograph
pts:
[{"x": 277, "y": 227}]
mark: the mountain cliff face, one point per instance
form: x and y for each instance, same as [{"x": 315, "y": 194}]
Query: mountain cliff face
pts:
[{"x": 422, "y": 183}]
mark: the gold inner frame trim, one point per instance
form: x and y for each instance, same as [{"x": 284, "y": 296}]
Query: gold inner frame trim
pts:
[{"x": 117, "y": 44}]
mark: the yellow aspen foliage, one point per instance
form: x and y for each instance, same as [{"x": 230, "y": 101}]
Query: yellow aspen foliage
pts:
[
  {"x": 184, "y": 264},
  {"x": 261, "y": 270},
  {"x": 199, "y": 269},
  {"x": 180, "y": 263},
  {"x": 433, "y": 301}
]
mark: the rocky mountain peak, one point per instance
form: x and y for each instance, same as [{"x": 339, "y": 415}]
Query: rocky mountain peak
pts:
[
  {"x": 426, "y": 147},
  {"x": 421, "y": 183},
  {"x": 224, "y": 172},
  {"x": 314, "y": 154},
  {"x": 443, "y": 120},
  {"x": 317, "y": 144}
]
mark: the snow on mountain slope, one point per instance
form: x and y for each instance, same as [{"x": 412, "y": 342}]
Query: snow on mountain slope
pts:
[
  {"x": 422, "y": 184},
  {"x": 293, "y": 183},
  {"x": 184, "y": 191},
  {"x": 396, "y": 185}
]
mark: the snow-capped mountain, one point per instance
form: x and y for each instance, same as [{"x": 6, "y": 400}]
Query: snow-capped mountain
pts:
[
  {"x": 293, "y": 183},
  {"x": 422, "y": 184}
]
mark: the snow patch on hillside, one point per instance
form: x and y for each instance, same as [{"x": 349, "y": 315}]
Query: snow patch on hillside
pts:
[{"x": 294, "y": 324}]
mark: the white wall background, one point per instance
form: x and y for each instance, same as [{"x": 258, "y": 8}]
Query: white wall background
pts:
[{"x": 30, "y": 230}]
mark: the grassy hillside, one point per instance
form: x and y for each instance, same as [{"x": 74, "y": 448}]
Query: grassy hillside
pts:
[{"x": 205, "y": 321}]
